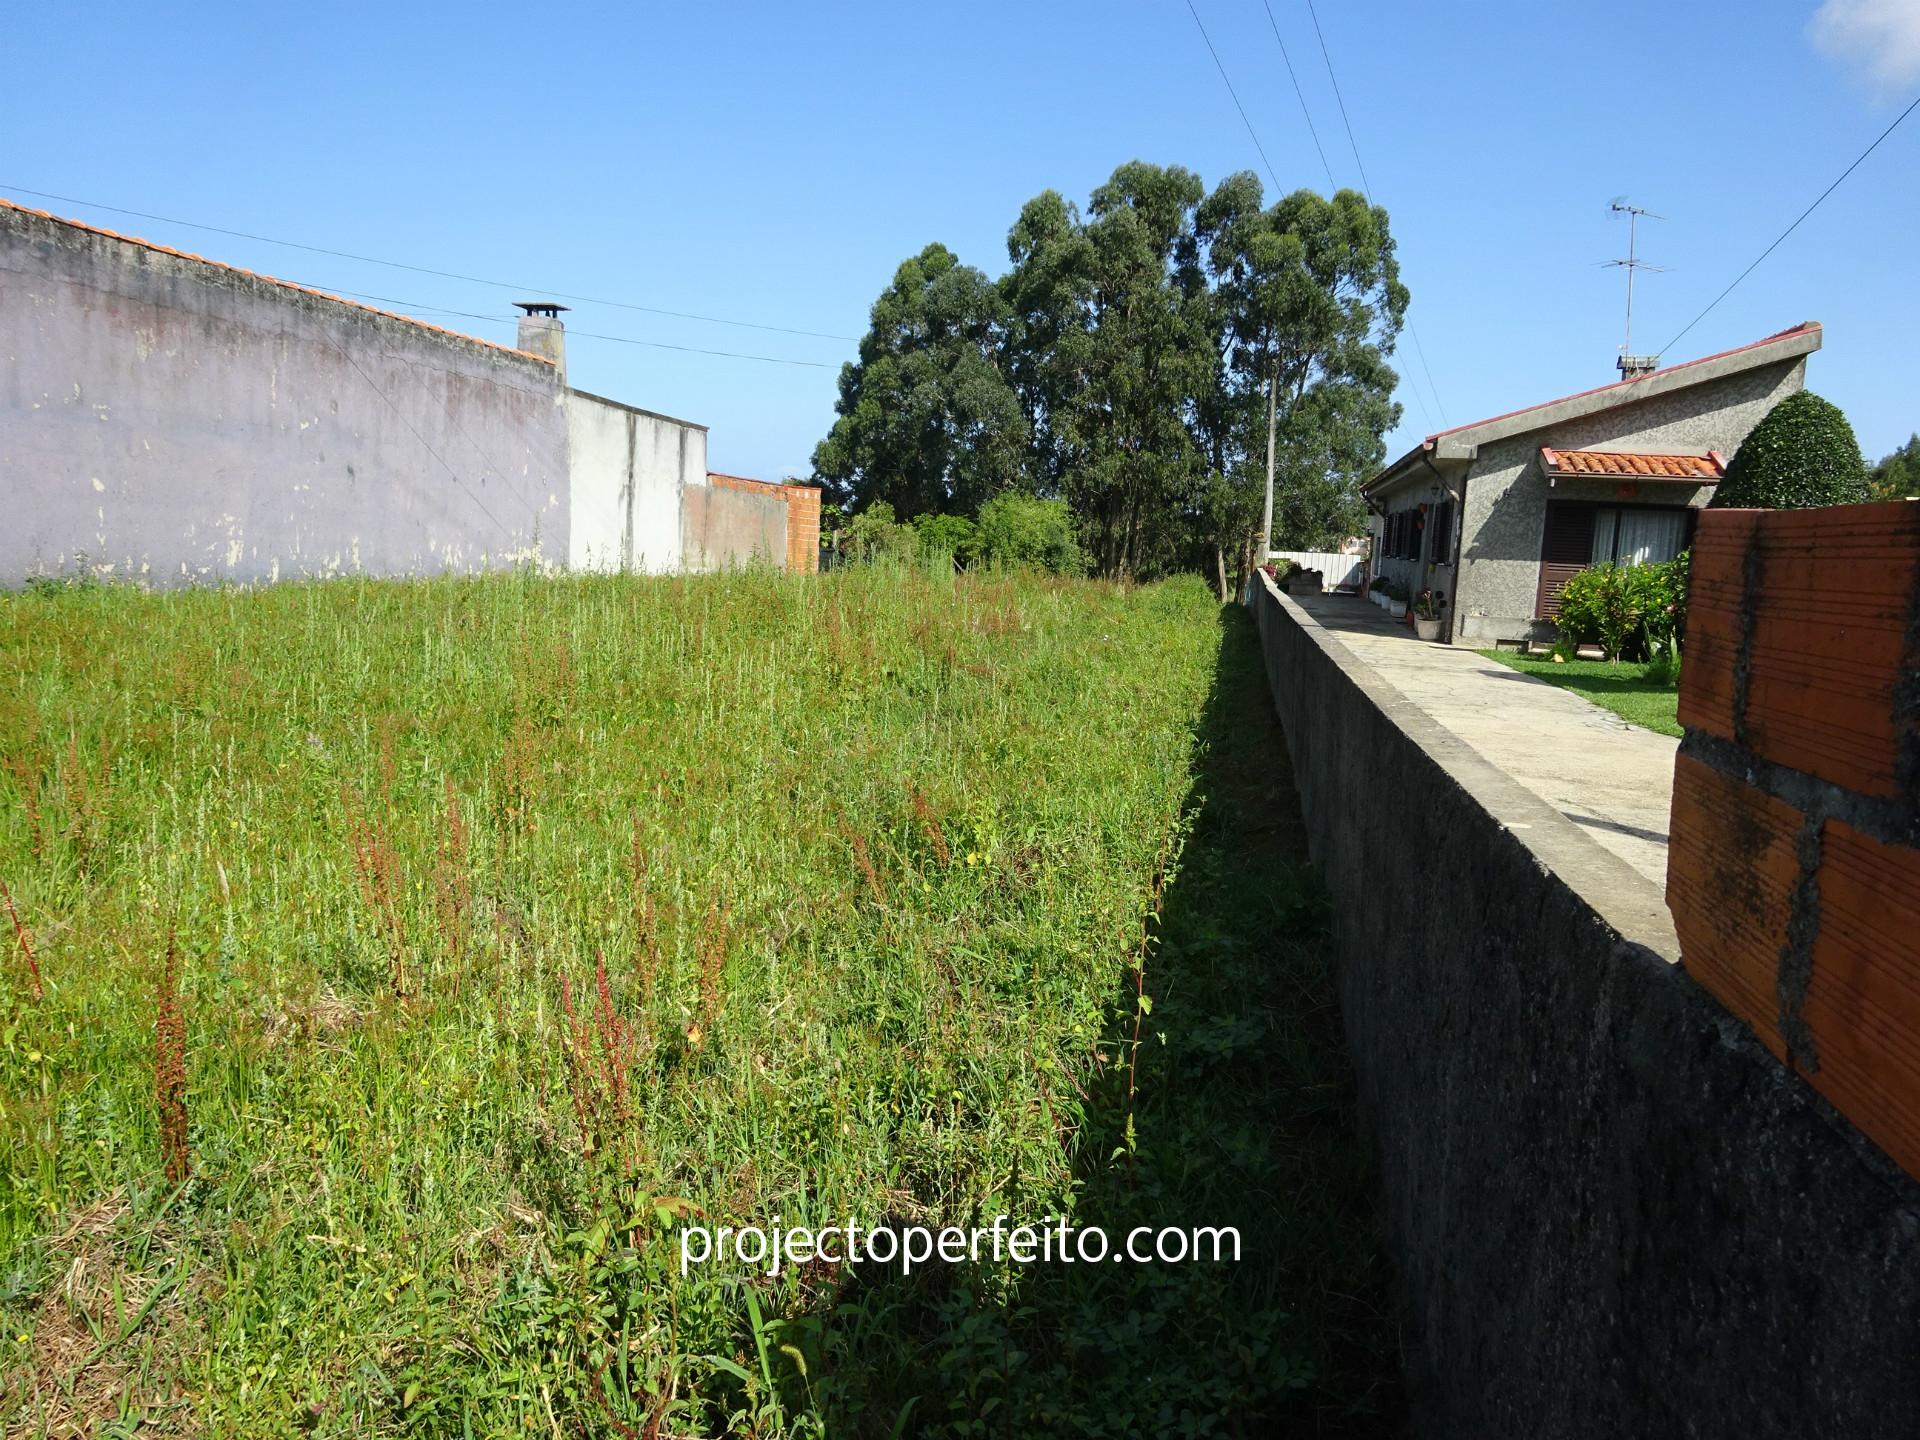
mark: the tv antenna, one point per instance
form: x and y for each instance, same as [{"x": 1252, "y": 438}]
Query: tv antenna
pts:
[{"x": 1629, "y": 363}]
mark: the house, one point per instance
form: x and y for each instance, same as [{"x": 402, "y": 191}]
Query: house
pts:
[{"x": 1499, "y": 514}]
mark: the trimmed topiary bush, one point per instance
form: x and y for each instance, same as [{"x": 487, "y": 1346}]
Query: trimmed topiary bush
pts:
[{"x": 1801, "y": 455}]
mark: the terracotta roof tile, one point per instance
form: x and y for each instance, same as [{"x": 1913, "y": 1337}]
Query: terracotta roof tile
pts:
[
  {"x": 1707, "y": 469},
  {"x": 101, "y": 230}
]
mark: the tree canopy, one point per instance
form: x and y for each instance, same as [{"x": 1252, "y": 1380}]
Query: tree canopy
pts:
[
  {"x": 1122, "y": 364},
  {"x": 927, "y": 419}
]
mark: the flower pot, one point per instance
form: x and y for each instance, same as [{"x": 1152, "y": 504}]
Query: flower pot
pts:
[
  {"x": 1427, "y": 629},
  {"x": 1397, "y": 609}
]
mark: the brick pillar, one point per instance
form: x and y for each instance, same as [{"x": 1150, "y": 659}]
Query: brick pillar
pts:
[
  {"x": 1793, "y": 867},
  {"x": 803, "y": 529}
]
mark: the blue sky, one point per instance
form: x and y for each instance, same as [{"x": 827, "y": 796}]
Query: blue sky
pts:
[{"x": 773, "y": 164}]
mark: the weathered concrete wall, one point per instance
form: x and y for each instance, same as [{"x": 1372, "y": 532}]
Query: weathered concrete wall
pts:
[
  {"x": 630, "y": 469},
  {"x": 723, "y": 527},
  {"x": 1613, "y": 1212},
  {"x": 1507, "y": 493},
  {"x": 802, "y": 554},
  {"x": 170, "y": 420}
]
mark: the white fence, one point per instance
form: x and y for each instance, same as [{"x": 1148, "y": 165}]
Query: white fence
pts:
[{"x": 1339, "y": 571}]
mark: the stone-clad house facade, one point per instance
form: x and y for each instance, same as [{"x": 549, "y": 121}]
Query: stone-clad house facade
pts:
[{"x": 1497, "y": 515}]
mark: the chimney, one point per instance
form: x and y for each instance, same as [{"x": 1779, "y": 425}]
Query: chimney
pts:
[{"x": 541, "y": 332}]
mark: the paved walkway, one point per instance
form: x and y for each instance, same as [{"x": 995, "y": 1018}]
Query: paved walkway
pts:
[{"x": 1612, "y": 779}]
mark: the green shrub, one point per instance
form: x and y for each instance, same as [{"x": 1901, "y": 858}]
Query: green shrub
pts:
[
  {"x": 1599, "y": 606},
  {"x": 1016, "y": 529},
  {"x": 1801, "y": 455},
  {"x": 874, "y": 534},
  {"x": 1632, "y": 612},
  {"x": 953, "y": 536},
  {"x": 1664, "y": 622}
]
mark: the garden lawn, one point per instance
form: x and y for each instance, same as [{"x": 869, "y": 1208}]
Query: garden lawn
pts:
[
  {"x": 520, "y": 923},
  {"x": 1624, "y": 688}
]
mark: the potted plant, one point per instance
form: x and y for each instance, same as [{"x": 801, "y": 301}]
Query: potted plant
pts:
[
  {"x": 1427, "y": 606},
  {"x": 1377, "y": 591},
  {"x": 1396, "y": 600}
]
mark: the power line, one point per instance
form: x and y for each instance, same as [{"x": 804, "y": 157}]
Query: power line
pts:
[
  {"x": 1341, "y": 102},
  {"x": 1366, "y": 188},
  {"x": 427, "y": 270},
  {"x": 581, "y": 334},
  {"x": 1796, "y": 224},
  {"x": 1236, "y": 98},
  {"x": 1298, "y": 92}
]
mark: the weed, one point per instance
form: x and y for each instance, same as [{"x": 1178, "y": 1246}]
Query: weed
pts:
[
  {"x": 453, "y": 887},
  {"x": 930, "y": 822},
  {"x": 25, "y": 941},
  {"x": 376, "y": 864},
  {"x": 170, "y": 1068}
]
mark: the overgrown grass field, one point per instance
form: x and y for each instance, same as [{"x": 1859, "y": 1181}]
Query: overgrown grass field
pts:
[{"x": 399, "y": 967}]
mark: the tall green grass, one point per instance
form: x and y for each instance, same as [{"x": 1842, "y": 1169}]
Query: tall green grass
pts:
[{"x": 519, "y": 921}]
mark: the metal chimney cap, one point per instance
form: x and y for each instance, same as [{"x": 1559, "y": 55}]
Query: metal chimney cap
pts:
[{"x": 541, "y": 307}]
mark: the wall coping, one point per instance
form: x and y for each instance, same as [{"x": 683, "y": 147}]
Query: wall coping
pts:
[{"x": 1628, "y": 903}]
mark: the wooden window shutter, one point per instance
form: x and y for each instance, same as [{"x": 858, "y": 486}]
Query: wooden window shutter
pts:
[{"x": 1566, "y": 548}]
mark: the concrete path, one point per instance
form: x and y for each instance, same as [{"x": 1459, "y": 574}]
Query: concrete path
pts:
[{"x": 1612, "y": 779}]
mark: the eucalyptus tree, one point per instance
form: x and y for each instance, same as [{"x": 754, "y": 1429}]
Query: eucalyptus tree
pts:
[
  {"x": 1311, "y": 294},
  {"x": 926, "y": 419},
  {"x": 1112, "y": 332}
]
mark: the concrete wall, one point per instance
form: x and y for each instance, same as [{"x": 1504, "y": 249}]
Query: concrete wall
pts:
[
  {"x": 166, "y": 419},
  {"x": 802, "y": 553},
  {"x": 1507, "y": 493},
  {"x": 630, "y": 469},
  {"x": 723, "y": 527},
  {"x": 1612, "y": 1211}
]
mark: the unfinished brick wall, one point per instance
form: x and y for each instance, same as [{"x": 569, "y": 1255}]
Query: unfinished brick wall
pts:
[
  {"x": 1794, "y": 860},
  {"x": 803, "y": 517}
]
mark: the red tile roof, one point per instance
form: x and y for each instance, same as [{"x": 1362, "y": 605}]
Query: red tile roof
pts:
[
  {"x": 1704, "y": 469},
  {"x": 6, "y": 204}
]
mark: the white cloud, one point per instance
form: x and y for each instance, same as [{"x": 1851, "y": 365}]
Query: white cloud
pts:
[{"x": 1881, "y": 37}]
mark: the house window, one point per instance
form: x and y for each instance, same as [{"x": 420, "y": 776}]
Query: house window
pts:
[
  {"x": 1442, "y": 530},
  {"x": 1638, "y": 535},
  {"x": 1580, "y": 534}
]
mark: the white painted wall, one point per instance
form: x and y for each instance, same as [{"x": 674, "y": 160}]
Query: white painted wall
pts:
[{"x": 629, "y": 470}]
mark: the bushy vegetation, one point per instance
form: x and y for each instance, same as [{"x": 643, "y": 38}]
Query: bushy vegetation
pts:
[
  {"x": 1013, "y": 532},
  {"x": 1897, "y": 476},
  {"x": 1017, "y": 529},
  {"x": 1632, "y": 612},
  {"x": 394, "y": 970},
  {"x": 1802, "y": 454}
]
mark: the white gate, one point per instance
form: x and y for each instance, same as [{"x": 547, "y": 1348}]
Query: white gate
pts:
[{"x": 1340, "y": 572}]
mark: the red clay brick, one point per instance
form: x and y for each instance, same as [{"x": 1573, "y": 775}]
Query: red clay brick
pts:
[
  {"x": 1863, "y": 1002},
  {"x": 1715, "y": 604},
  {"x": 1829, "y": 639},
  {"x": 1732, "y": 864}
]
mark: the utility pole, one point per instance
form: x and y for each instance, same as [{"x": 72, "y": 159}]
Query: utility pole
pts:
[
  {"x": 1629, "y": 363},
  {"x": 1266, "y": 521}
]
